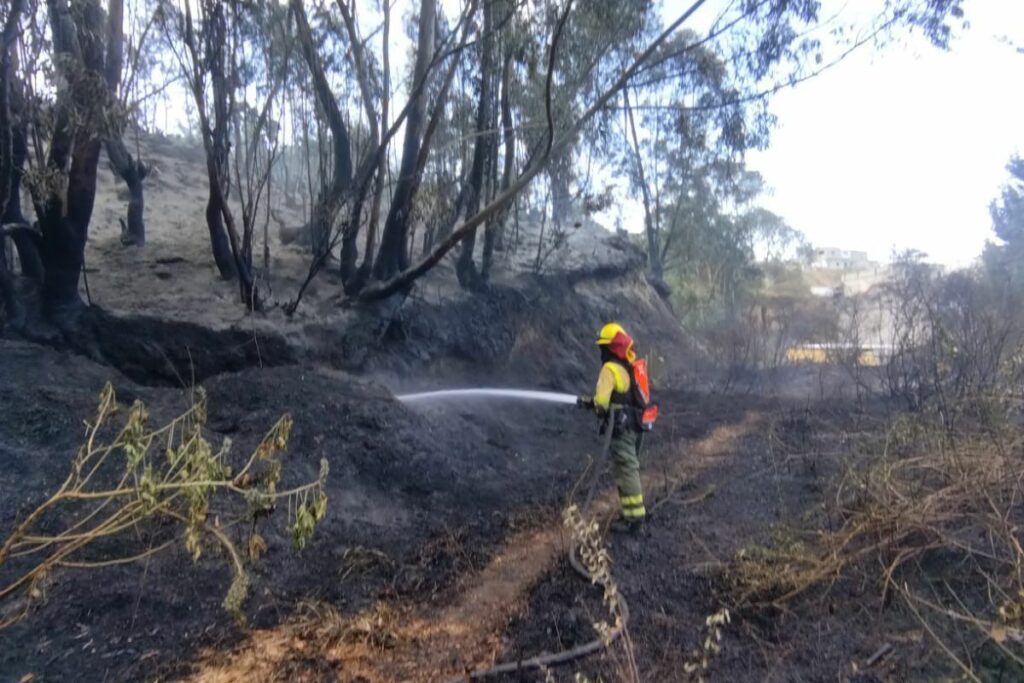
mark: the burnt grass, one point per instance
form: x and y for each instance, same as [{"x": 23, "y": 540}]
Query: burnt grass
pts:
[
  {"x": 429, "y": 494},
  {"x": 674, "y": 574}
]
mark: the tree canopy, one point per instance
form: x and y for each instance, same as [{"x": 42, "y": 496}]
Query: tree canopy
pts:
[{"x": 499, "y": 109}]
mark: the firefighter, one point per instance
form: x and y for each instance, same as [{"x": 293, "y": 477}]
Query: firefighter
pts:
[{"x": 614, "y": 401}]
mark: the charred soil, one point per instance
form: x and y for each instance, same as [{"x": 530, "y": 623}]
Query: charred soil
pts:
[{"x": 442, "y": 550}]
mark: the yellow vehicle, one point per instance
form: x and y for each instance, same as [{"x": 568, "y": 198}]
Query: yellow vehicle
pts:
[{"x": 819, "y": 354}]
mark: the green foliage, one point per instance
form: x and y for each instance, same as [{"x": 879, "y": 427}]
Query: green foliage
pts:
[
  {"x": 1006, "y": 260},
  {"x": 711, "y": 254}
]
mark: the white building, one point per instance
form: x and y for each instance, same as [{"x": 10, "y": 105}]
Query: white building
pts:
[{"x": 840, "y": 259}]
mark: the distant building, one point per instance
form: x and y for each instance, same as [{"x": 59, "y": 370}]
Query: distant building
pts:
[
  {"x": 826, "y": 292},
  {"x": 840, "y": 259}
]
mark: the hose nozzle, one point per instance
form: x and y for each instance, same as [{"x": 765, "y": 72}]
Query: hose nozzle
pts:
[{"x": 586, "y": 402}]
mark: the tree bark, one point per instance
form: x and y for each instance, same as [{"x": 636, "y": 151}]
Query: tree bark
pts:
[
  {"x": 218, "y": 151},
  {"x": 365, "y": 270},
  {"x": 219, "y": 243},
  {"x": 465, "y": 268},
  {"x": 26, "y": 240},
  {"x": 130, "y": 170},
  {"x": 330, "y": 200},
  {"x": 12, "y": 212},
  {"x": 394, "y": 247},
  {"x": 28, "y": 244},
  {"x": 494, "y": 232},
  {"x": 74, "y": 150},
  {"x": 215, "y": 142},
  {"x": 349, "y": 245},
  {"x": 653, "y": 250},
  {"x": 228, "y": 251},
  {"x": 9, "y": 168}
]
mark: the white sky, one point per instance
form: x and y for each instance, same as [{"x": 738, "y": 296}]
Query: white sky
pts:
[{"x": 904, "y": 147}]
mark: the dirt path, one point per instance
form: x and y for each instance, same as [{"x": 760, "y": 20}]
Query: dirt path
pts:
[{"x": 410, "y": 643}]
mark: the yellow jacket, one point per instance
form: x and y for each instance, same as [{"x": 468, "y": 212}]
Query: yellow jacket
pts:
[{"x": 613, "y": 379}]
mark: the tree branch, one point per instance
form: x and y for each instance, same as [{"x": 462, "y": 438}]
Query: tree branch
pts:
[{"x": 402, "y": 280}]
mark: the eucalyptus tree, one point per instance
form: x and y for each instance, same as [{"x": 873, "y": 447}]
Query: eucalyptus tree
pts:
[
  {"x": 70, "y": 110},
  {"x": 700, "y": 104},
  {"x": 262, "y": 45},
  {"x": 207, "y": 38},
  {"x": 1006, "y": 258}
]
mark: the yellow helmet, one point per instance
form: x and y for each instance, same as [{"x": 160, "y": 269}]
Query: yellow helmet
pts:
[{"x": 608, "y": 332}]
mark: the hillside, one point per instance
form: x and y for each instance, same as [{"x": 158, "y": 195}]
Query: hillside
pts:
[
  {"x": 442, "y": 548},
  {"x": 173, "y": 278}
]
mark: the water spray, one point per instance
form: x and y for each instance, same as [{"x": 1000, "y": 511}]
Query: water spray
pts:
[{"x": 519, "y": 394}]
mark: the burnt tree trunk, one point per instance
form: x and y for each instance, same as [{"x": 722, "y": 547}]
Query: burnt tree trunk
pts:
[
  {"x": 349, "y": 255},
  {"x": 12, "y": 212},
  {"x": 218, "y": 235},
  {"x": 218, "y": 150},
  {"x": 330, "y": 199},
  {"x": 494, "y": 232},
  {"x": 25, "y": 239},
  {"x": 465, "y": 267},
  {"x": 217, "y": 173},
  {"x": 374, "y": 163},
  {"x": 9, "y": 170},
  {"x": 130, "y": 170},
  {"x": 393, "y": 256},
  {"x": 64, "y": 217},
  {"x": 362, "y": 275},
  {"x": 228, "y": 252}
]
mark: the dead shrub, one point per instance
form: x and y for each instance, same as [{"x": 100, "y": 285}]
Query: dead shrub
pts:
[
  {"x": 376, "y": 627},
  {"x": 957, "y": 342},
  {"x": 931, "y": 519},
  {"x": 749, "y": 344}
]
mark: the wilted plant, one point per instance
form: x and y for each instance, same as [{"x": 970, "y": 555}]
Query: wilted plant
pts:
[
  {"x": 597, "y": 562},
  {"x": 168, "y": 480},
  {"x": 699, "y": 661},
  {"x": 376, "y": 627},
  {"x": 595, "y": 559}
]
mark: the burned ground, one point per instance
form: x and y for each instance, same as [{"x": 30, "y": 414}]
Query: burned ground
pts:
[
  {"x": 435, "y": 508},
  {"x": 418, "y": 498},
  {"x": 427, "y": 504},
  {"x": 421, "y": 501},
  {"x": 443, "y": 548}
]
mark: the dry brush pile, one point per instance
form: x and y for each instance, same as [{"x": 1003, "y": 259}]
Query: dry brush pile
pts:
[{"x": 931, "y": 519}]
